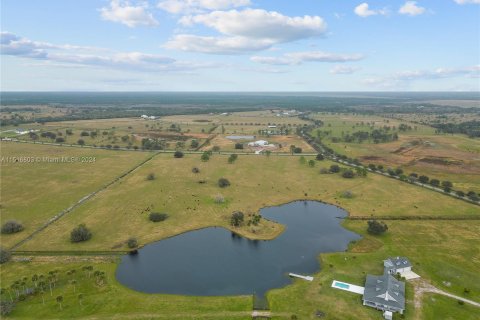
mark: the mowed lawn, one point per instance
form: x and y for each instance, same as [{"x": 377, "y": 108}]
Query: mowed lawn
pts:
[
  {"x": 441, "y": 252},
  {"x": 35, "y": 192},
  {"x": 122, "y": 210}
]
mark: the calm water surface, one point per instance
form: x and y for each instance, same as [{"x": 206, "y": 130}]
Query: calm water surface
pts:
[{"x": 215, "y": 261}]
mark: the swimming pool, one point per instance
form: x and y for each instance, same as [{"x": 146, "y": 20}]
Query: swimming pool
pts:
[
  {"x": 348, "y": 287},
  {"x": 341, "y": 285}
]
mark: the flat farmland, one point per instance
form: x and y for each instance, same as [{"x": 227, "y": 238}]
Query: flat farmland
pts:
[
  {"x": 455, "y": 158},
  {"x": 34, "y": 192},
  {"x": 119, "y": 132},
  {"x": 190, "y": 204}
]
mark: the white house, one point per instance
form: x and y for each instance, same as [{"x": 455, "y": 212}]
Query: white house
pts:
[
  {"x": 259, "y": 143},
  {"x": 397, "y": 265}
]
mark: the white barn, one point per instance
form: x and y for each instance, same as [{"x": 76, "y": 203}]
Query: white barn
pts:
[{"x": 259, "y": 143}]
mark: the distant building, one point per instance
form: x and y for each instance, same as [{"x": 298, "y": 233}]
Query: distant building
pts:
[
  {"x": 384, "y": 293},
  {"x": 397, "y": 265},
  {"x": 259, "y": 143}
]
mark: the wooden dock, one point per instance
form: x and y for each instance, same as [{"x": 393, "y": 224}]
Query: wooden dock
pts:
[{"x": 294, "y": 275}]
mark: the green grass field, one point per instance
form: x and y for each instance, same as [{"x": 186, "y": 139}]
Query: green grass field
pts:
[
  {"x": 191, "y": 205},
  {"x": 34, "y": 192},
  {"x": 444, "y": 253}
]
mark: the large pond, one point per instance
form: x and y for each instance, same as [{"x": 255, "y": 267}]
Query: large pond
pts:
[{"x": 215, "y": 261}]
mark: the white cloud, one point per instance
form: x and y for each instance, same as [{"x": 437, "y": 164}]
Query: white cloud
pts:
[
  {"x": 68, "y": 55},
  {"x": 296, "y": 58},
  {"x": 196, "y": 6},
  {"x": 245, "y": 31},
  {"x": 130, "y": 15},
  {"x": 363, "y": 10},
  {"x": 217, "y": 45},
  {"x": 260, "y": 24},
  {"x": 339, "y": 69},
  {"x": 467, "y": 1},
  {"x": 411, "y": 8}
]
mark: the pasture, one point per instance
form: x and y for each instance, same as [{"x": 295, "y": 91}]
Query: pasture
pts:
[
  {"x": 188, "y": 198},
  {"x": 39, "y": 185}
]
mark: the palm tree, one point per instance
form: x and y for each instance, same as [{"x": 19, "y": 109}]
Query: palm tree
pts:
[
  {"x": 50, "y": 280},
  {"x": 73, "y": 282},
  {"x": 42, "y": 284},
  {"x": 59, "y": 300},
  {"x": 35, "y": 279}
]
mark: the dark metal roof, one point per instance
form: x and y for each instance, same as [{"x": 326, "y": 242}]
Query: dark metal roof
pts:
[{"x": 385, "y": 290}]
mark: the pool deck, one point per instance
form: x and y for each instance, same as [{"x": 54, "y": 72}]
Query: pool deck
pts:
[{"x": 351, "y": 287}]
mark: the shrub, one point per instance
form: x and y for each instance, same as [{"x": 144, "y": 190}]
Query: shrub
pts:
[
  {"x": 423, "y": 179},
  {"x": 205, "y": 156},
  {"x": 238, "y": 145},
  {"x": 178, "y": 154},
  {"x": 371, "y": 166},
  {"x": 219, "y": 199},
  {"x": 5, "y": 255},
  {"x": 319, "y": 157},
  {"x": 195, "y": 170},
  {"x": 157, "y": 216},
  {"x": 216, "y": 149},
  {"x": 237, "y": 218},
  {"x": 132, "y": 243},
  {"x": 460, "y": 193},
  {"x": 376, "y": 227},
  {"x": 194, "y": 144},
  {"x": 347, "y": 194},
  {"x": 435, "y": 182},
  {"x": 348, "y": 174},
  {"x": 311, "y": 163},
  {"x": 12, "y": 226},
  {"x": 151, "y": 176},
  {"x": 232, "y": 158},
  {"x": 297, "y": 150},
  {"x": 6, "y": 307},
  {"x": 223, "y": 183},
  {"x": 80, "y": 233},
  {"x": 59, "y": 140},
  {"x": 84, "y": 134},
  {"x": 334, "y": 168},
  {"x": 81, "y": 142},
  {"x": 324, "y": 171}
]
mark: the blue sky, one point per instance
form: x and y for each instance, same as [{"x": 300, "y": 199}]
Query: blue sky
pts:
[{"x": 240, "y": 45}]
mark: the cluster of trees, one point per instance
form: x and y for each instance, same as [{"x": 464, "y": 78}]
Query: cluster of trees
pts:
[
  {"x": 40, "y": 284},
  {"x": 346, "y": 172},
  {"x": 237, "y": 218},
  {"x": 376, "y": 136},
  {"x": 80, "y": 233},
  {"x": 470, "y": 128},
  {"x": 153, "y": 144},
  {"x": 376, "y": 227}
]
